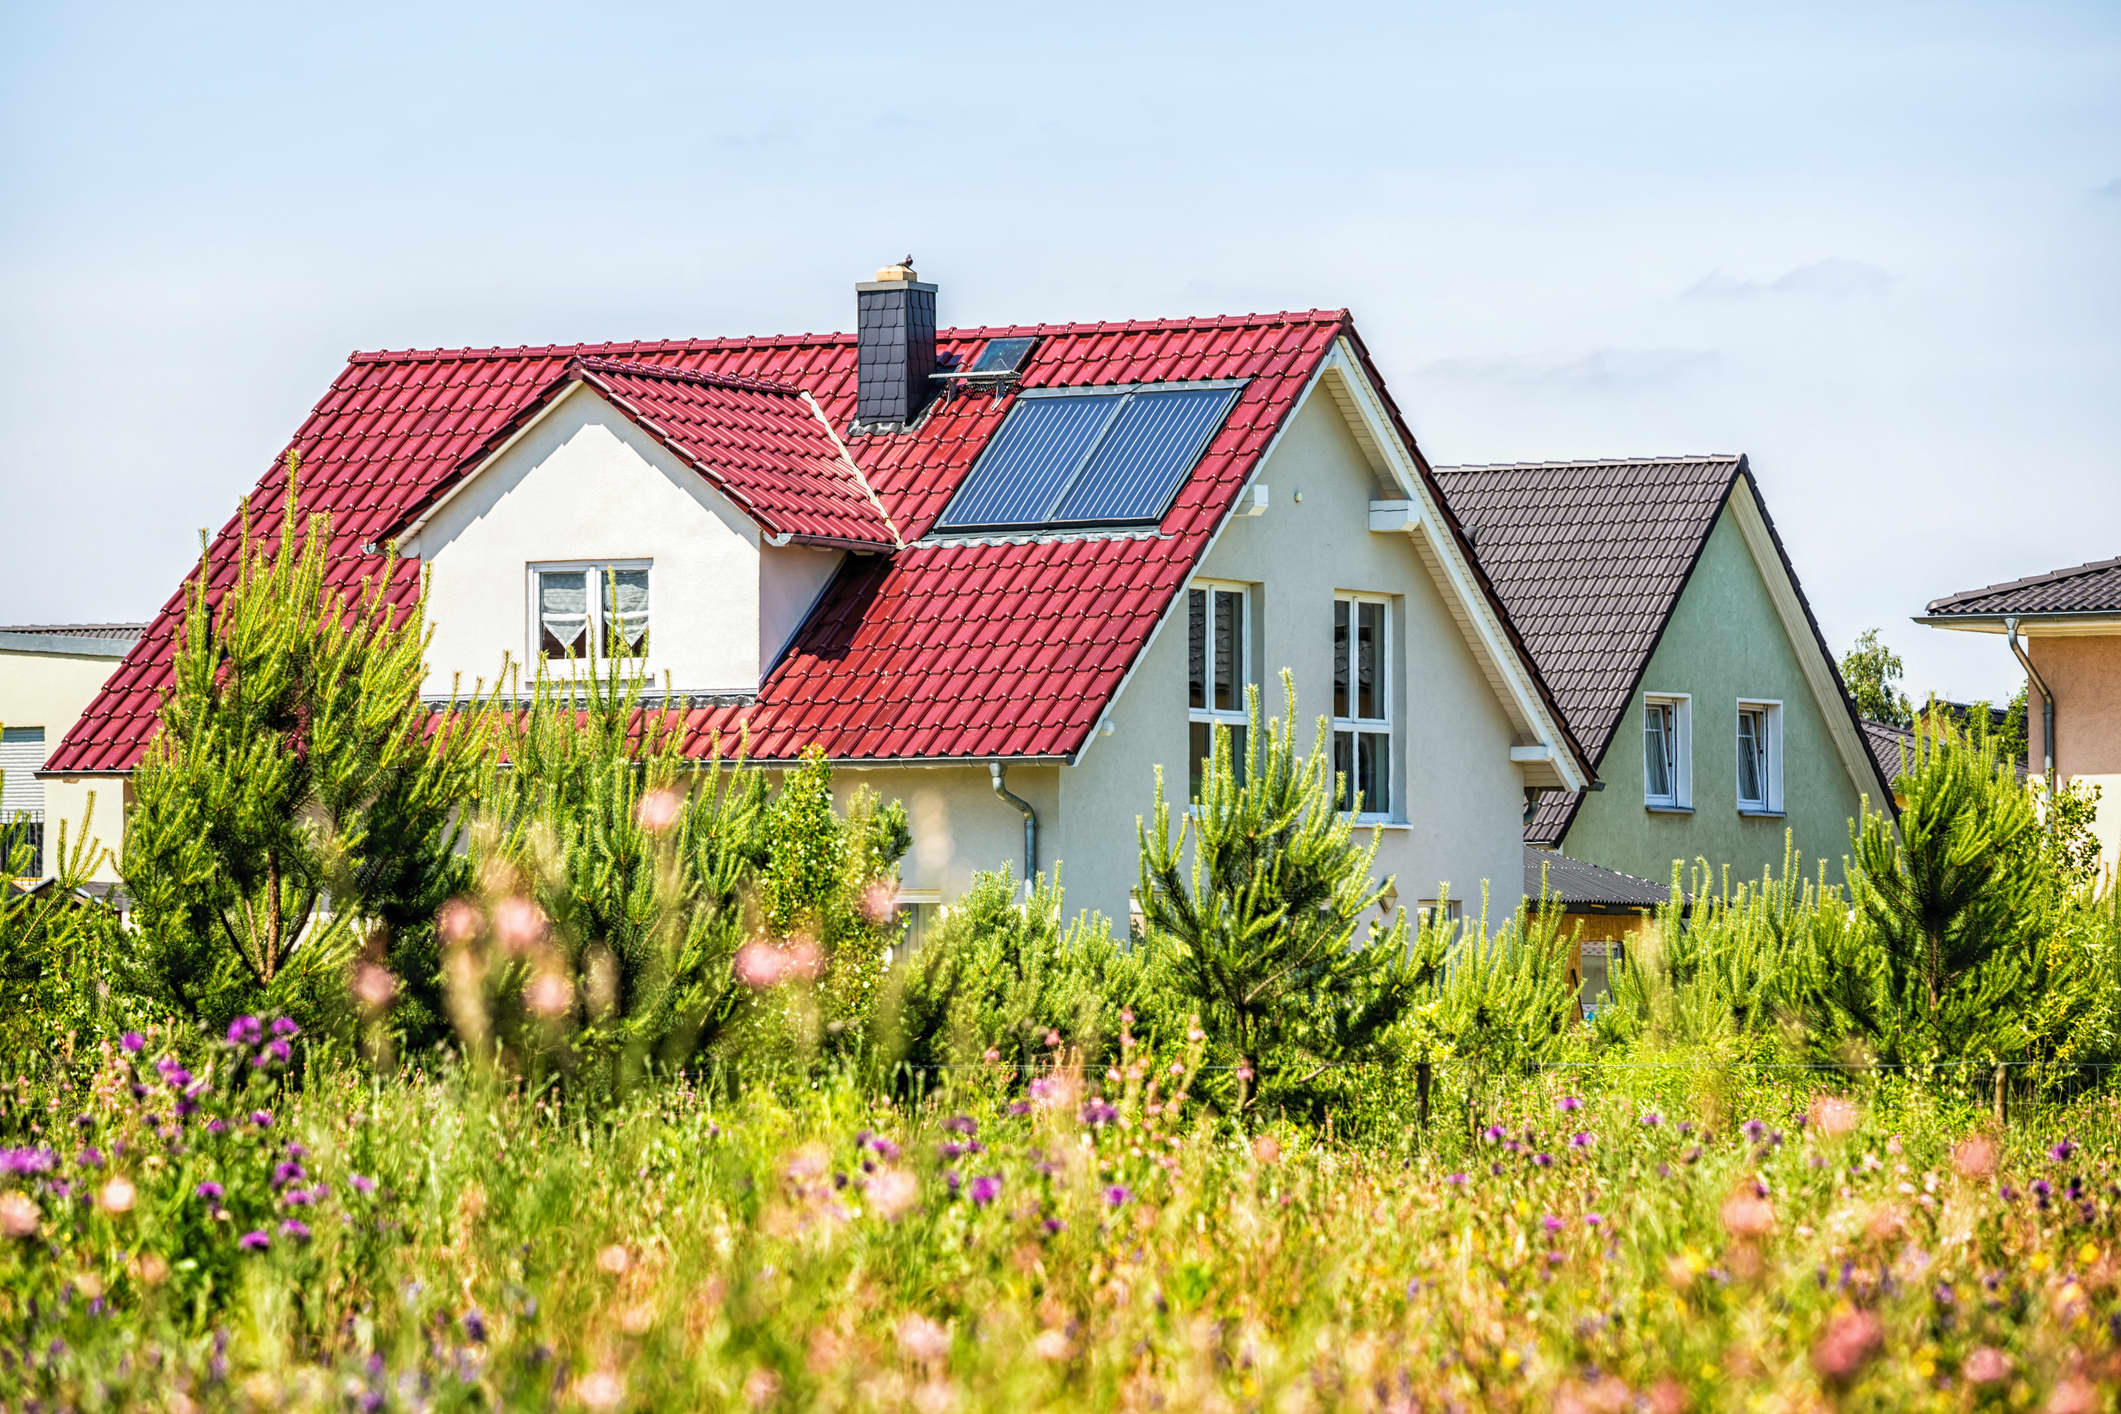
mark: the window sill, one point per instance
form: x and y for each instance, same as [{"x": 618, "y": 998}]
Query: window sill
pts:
[
  {"x": 1656, "y": 809},
  {"x": 1373, "y": 822},
  {"x": 1751, "y": 814}
]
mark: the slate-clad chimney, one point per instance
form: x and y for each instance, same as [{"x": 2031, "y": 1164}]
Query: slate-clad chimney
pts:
[{"x": 895, "y": 329}]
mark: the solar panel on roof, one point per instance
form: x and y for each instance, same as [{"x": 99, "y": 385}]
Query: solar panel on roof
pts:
[
  {"x": 1064, "y": 457},
  {"x": 1002, "y": 356}
]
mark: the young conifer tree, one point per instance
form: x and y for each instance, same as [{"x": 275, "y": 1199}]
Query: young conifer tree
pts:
[
  {"x": 1264, "y": 932},
  {"x": 298, "y": 803}
]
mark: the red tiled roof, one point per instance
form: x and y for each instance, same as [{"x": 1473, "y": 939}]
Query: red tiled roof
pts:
[{"x": 939, "y": 650}]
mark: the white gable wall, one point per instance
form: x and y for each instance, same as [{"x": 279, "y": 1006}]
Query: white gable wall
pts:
[
  {"x": 1459, "y": 798},
  {"x": 584, "y": 483}
]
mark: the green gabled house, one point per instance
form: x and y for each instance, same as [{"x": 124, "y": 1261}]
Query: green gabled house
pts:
[{"x": 1661, "y": 607}]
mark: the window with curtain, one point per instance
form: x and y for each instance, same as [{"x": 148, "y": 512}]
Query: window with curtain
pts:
[
  {"x": 1760, "y": 757},
  {"x": 1362, "y": 704},
  {"x": 1217, "y": 672},
  {"x": 1666, "y": 768},
  {"x": 589, "y": 612}
]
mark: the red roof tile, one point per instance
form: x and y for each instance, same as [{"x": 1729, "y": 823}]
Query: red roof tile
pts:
[{"x": 940, "y": 649}]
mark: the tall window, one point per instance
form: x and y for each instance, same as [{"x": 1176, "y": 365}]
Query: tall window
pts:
[
  {"x": 1760, "y": 757},
  {"x": 1216, "y": 673},
  {"x": 1667, "y": 753},
  {"x": 587, "y": 611},
  {"x": 1362, "y": 703}
]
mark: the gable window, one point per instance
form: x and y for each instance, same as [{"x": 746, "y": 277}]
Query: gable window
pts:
[
  {"x": 1217, "y": 670},
  {"x": 1362, "y": 704},
  {"x": 589, "y": 611},
  {"x": 1667, "y": 752},
  {"x": 1760, "y": 758}
]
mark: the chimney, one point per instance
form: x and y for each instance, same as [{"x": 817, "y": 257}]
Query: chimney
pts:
[{"x": 895, "y": 339}]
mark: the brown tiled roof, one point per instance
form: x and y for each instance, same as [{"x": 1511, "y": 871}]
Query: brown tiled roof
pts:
[
  {"x": 2081, "y": 589},
  {"x": 1888, "y": 745},
  {"x": 1590, "y": 557}
]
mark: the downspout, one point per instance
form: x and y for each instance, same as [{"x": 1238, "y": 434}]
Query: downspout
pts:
[
  {"x": 994, "y": 774},
  {"x": 2047, "y": 702}
]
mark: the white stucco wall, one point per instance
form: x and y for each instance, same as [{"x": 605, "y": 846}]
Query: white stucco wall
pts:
[
  {"x": 791, "y": 577},
  {"x": 1458, "y": 817},
  {"x": 959, "y": 825},
  {"x": 585, "y": 484}
]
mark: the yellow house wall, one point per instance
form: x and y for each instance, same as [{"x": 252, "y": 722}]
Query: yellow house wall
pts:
[{"x": 50, "y": 690}]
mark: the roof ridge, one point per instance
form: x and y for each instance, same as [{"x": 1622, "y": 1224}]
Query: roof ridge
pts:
[
  {"x": 738, "y": 381},
  {"x": 2029, "y": 582},
  {"x": 1463, "y": 467},
  {"x": 623, "y": 347}
]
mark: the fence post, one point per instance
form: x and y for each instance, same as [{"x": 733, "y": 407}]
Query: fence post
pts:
[
  {"x": 1421, "y": 1092},
  {"x": 2002, "y": 1096}
]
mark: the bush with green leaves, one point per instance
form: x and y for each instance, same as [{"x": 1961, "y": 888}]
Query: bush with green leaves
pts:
[
  {"x": 1261, "y": 916},
  {"x": 1006, "y": 977},
  {"x": 299, "y": 804},
  {"x": 60, "y": 947}
]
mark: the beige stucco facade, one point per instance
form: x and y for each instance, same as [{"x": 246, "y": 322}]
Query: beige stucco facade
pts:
[
  {"x": 582, "y": 483},
  {"x": 48, "y": 690},
  {"x": 2083, "y": 670}
]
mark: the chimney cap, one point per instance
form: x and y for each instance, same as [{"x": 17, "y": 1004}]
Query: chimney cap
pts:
[{"x": 901, "y": 271}]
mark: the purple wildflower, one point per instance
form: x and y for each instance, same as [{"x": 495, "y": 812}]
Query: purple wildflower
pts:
[
  {"x": 24, "y": 1162},
  {"x": 90, "y": 1158},
  {"x": 285, "y": 1026},
  {"x": 1753, "y": 1129},
  {"x": 885, "y": 1149},
  {"x": 217, "y": 1126},
  {"x": 1019, "y": 1107},
  {"x": 256, "y": 1240},
  {"x": 132, "y": 1041},
  {"x": 1552, "y": 1223},
  {"x": 2062, "y": 1151},
  {"x": 1456, "y": 1180},
  {"x": 1118, "y": 1195},
  {"x": 261, "y": 1118},
  {"x": 1053, "y": 1225},
  {"x": 475, "y": 1325},
  {"x": 363, "y": 1186},
  {"x": 295, "y": 1229},
  {"x": 1652, "y": 1120},
  {"x": 1594, "y": 1219},
  {"x": 1543, "y": 1160},
  {"x": 1581, "y": 1139},
  {"x": 211, "y": 1191},
  {"x": 986, "y": 1188},
  {"x": 1568, "y": 1103},
  {"x": 285, "y": 1173},
  {"x": 1493, "y": 1133},
  {"x": 962, "y": 1124},
  {"x": 245, "y": 1031},
  {"x": 1099, "y": 1112}
]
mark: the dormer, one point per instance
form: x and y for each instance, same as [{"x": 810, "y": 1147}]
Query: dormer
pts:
[{"x": 687, "y": 521}]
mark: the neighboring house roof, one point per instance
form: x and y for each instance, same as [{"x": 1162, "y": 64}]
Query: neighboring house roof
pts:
[
  {"x": 1889, "y": 746},
  {"x": 70, "y": 640},
  {"x": 950, "y": 648},
  {"x": 1591, "y": 557},
  {"x": 1578, "y": 884},
  {"x": 2081, "y": 589}
]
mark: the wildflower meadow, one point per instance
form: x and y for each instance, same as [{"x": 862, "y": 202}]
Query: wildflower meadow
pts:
[{"x": 503, "y": 1057}]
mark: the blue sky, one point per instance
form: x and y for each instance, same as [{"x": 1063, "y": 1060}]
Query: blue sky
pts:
[{"x": 1878, "y": 247}]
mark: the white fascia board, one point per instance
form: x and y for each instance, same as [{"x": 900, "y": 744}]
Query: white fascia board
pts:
[
  {"x": 1507, "y": 669},
  {"x": 2089, "y": 624},
  {"x": 1797, "y": 627},
  {"x": 408, "y": 538}
]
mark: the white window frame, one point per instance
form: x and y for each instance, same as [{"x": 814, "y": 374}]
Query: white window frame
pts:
[
  {"x": 1770, "y": 710},
  {"x": 1211, "y": 715},
  {"x": 1382, "y": 725},
  {"x": 594, "y": 604},
  {"x": 1681, "y": 796}
]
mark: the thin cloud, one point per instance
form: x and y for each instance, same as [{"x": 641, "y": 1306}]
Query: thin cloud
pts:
[
  {"x": 1598, "y": 371},
  {"x": 1832, "y": 278}
]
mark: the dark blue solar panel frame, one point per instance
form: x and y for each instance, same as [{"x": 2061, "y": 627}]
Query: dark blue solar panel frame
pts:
[
  {"x": 1069, "y": 458},
  {"x": 1137, "y": 467}
]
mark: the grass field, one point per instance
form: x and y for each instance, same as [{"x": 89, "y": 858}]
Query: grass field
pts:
[{"x": 1659, "y": 1238}]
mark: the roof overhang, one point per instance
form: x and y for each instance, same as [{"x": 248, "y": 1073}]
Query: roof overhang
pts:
[
  {"x": 65, "y": 645},
  {"x": 2086, "y": 623},
  {"x": 1547, "y": 751}
]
